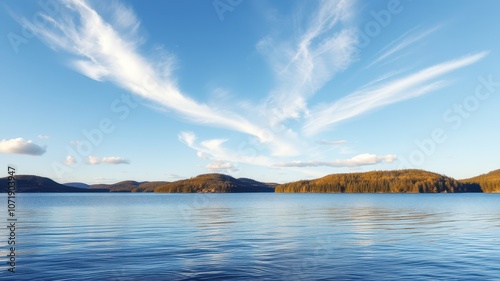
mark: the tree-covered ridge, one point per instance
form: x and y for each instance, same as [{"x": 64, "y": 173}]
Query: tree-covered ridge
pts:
[
  {"x": 489, "y": 182},
  {"x": 149, "y": 186},
  {"x": 123, "y": 186},
  {"x": 130, "y": 186},
  {"x": 214, "y": 183},
  {"x": 399, "y": 181}
]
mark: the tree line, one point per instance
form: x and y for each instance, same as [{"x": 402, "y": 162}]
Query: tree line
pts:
[
  {"x": 399, "y": 181},
  {"x": 489, "y": 182}
]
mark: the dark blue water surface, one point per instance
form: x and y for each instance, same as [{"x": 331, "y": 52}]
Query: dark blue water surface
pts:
[{"x": 254, "y": 237}]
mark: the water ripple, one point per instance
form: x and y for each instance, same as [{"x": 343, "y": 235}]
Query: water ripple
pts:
[{"x": 257, "y": 237}]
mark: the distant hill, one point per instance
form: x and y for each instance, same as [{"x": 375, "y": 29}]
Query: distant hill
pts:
[
  {"x": 489, "y": 182},
  {"x": 28, "y": 183},
  {"x": 214, "y": 183},
  {"x": 77, "y": 184},
  {"x": 149, "y": 186},
  {"x": 130, "y": 186},
  {"x": 399, "y": 181},
  {"x": 123, "y": 186},
  {"x": 251, "y": 182}
]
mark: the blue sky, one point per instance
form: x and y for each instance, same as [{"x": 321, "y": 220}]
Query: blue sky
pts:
[{"x": 272, "y": 90}]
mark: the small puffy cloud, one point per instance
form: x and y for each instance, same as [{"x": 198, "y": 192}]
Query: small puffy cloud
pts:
[
  {"x": 201, "y": 154},
  {"x": 218, "y": 166},
  {"x": 114, "y": 160},
  {"x": 21, "y": 146},
  {"x": 93, "y": 160},
  {"x": 43, "y": 137},
  {"x": 356, "y": 161},
  {"x": 337, "y": 142},
  {"x": 70, "y": 160}
]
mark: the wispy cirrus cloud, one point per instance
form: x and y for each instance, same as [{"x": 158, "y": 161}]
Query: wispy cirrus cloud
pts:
[
  {"x": 356, "y": 161},
  {"x": 367, "y": 99},
  {"x": 108, "y": 51},
  {"x": 401, "y": 43},
  {"x": 105, "y": 47},
  {"x": 214, "y": 150},
  {"x": 21, "y": 146},
  {"x": 303, "y": 64},
  {"x": 336, "y": 142}
]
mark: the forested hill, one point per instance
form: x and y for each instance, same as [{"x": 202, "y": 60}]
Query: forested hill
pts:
[
  {"x": 215, "y": 183},
  {"x": 489, "y": 182},
  {"x": 129, "y": 186},
  {"x": 399, "y": 181}
]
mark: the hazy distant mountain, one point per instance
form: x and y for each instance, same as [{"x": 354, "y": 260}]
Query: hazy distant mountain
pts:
[
  {"x": 77, "y": 184},
  {"x": 399, "y": 181},
  {"x": 123, "y": 186},
  {"x": 251, "y": 182},
  {"x": 214, "y": 183},
  {"x": 28, "y": 183},
  {"x": 489, "y": 182}
]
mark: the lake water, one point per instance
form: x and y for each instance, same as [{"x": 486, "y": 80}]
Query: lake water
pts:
[{"x": 120, "y": 236}]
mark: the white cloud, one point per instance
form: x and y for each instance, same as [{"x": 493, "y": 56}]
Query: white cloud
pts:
[
  {"x": 93, "y": 160},
  {"x": 43, "y": 137},
  {"x": 114, "y": 160},
  {"x": 359, "y": 160},
  {"x": 187, "y": 138},
  {"x": 214, "y": 149},
  {"x": 70, "y": 160},
  {"x": 218, "y": 166},
  {"x": 124, "y": 18},
  {"x": 109, "y": 52},
  {"x": 304, "y": 64},
  {"x": 367, "y": 99},
  {"x": 337, "y": 142},
  {"x": 213, "y": 144},
  {"x": 401, "y": 43},
  {"x": 201, "y": 155},
  {"x": 323, "y": 43},
  {"x": 21, "y": 146}
]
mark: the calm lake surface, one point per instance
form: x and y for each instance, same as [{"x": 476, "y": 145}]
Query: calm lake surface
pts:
[{"x": 120, "y": 236}]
